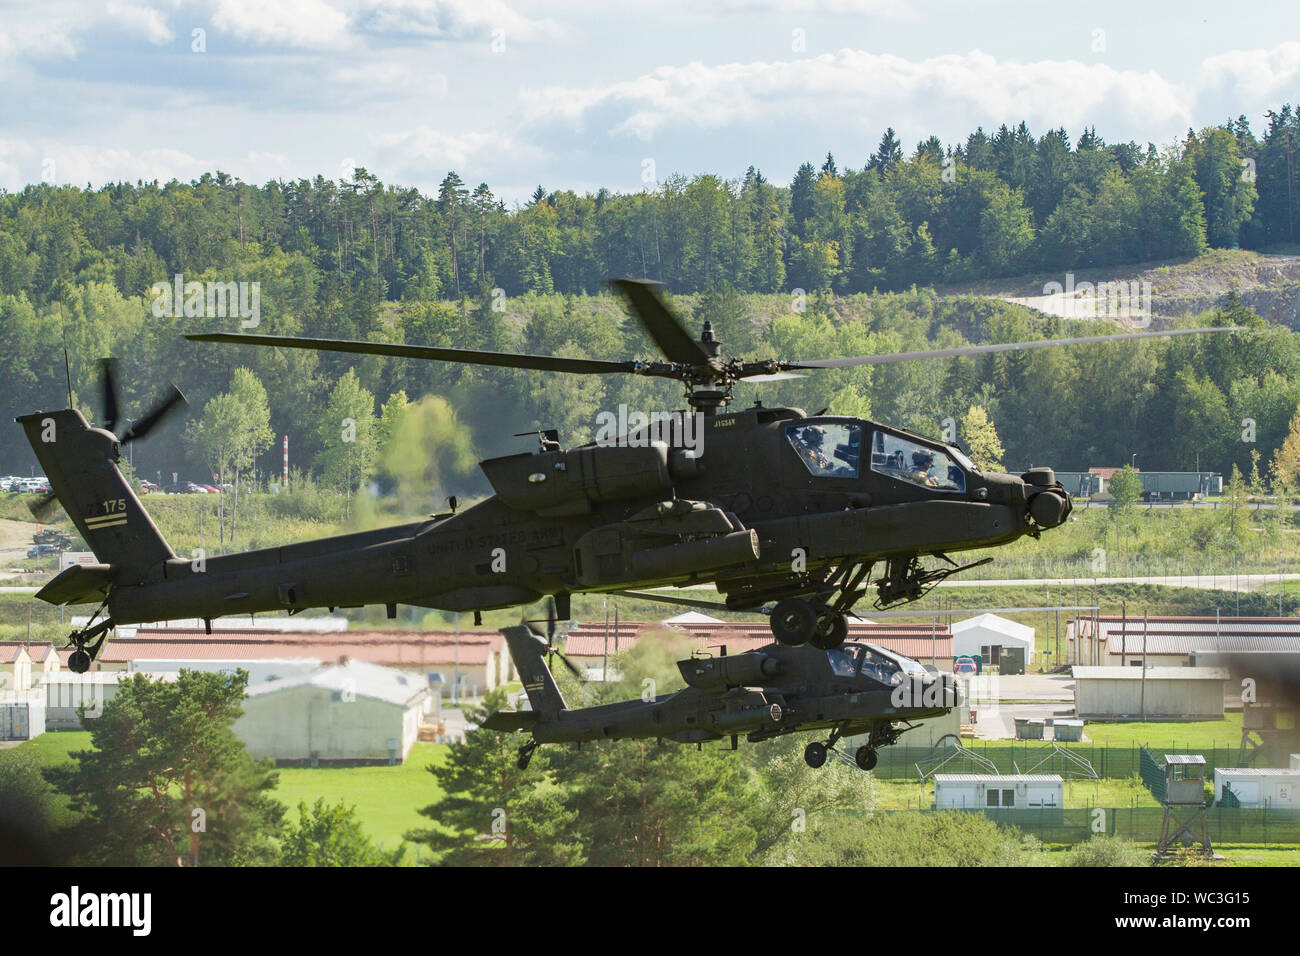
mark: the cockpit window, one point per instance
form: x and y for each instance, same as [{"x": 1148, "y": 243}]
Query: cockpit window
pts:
[
  {"x": 879, "y": 667},
  {"x": 828, "y": 449},
  {"x": 844, "y": 660},
  {"x": 915, "y": 463}
]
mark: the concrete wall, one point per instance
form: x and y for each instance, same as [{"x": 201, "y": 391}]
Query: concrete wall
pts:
[
  {"x": 65, "y": 692},
  {"x": 293, "y": 723},
  {"x": 1101, "y": 698}
]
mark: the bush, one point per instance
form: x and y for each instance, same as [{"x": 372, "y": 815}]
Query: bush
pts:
[{"x": 1104, "y": 850}]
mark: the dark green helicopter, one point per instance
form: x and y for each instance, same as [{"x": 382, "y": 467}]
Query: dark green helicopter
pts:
[
  {"x": 850, "y": 690},
  {"x": 784, "y": 513}
]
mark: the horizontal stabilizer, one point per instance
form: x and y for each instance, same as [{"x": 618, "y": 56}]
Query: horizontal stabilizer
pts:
[
  {"x": 79, "y": 584},
  {"x": 508, "y": 721}
]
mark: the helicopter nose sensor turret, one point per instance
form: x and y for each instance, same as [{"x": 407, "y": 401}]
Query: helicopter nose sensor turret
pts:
[{"x": 1049, "y": 504}]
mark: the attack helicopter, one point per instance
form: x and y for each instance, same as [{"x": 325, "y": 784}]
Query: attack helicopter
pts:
[
  {"x": 785, "y": 513},
  {"x": 854, "y": 689}
]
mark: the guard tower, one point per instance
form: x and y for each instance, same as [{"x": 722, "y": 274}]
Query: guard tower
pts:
[
  {"x": 1186, "y": 821},
  {"x": 1267, "y": 731}
]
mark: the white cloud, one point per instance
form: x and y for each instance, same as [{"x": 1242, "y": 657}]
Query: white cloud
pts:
[
  {"x": 453, "y": 19},
  {"x": 310, "y": 24},
  {"x": 50, "y": 39},
  {"x": 391, "y": 78},
  {"x": 27, "y": 161},
  {"x": 842, "y": 87},
  {"x": 1253, "y": 75},
  {"x": 436, "y": 151},
  {"x": 143, "y": 19}
]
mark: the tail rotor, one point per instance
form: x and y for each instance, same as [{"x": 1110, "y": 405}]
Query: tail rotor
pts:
[
  {"x": 551, "y": 650},
  {"x": 171, "y": 401}
]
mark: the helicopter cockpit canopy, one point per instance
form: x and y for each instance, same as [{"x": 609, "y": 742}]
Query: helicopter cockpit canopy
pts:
[
  {"x": 869, "y": 660},
  {"x": 828, "y": 449},
  {"x": 917, "y": 464}
]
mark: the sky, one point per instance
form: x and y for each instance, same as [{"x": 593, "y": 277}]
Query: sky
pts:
[{"x": 573, "y": 94}]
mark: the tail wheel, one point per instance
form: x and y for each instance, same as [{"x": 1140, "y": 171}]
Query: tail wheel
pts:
[
  {"x": 831, "y": 631},
  {"x": 793, "y": 621},
  {"x": 865, "y": 758},
  {"x": 815, "y": 754}
]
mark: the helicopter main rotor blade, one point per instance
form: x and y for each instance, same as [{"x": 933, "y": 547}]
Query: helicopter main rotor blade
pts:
[
  {"x": 660, "y": 324},
  {"x": 890, "y": 357},
  {"x": 545, "y": 363}
]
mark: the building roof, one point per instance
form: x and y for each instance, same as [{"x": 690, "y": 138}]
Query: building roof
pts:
[
  {"x": 995, "y": 623},
  {"x": 11, "y": 651},
  {"x": 1152, "y": 673},
  {"x": 998, "y": 778},
  {"x": 1183, "y": 635},
  {"x": 356, "y": 677},
  {"x": 1256, "y": 772},
  {"x": 389, "y": 648},
  {"x": 299, "y": 623},
  {"x": 1184, "y": 758},
  {"x": 587, "y": 640},
  {"x": 690, "y": 617}
]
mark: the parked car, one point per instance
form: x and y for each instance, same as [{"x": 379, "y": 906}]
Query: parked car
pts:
[
  {"x": 146, "y": 486},
  {"x": 210, "y": 489},
  {"x": 965, "y": 665},
  {"x": 44, "y": 550},
  {"x": 185, "y": 488}
]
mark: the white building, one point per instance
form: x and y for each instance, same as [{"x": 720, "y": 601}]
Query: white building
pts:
[
  {"x": 978, "y": 791},
  {"x": 987, "y": 634},
  {"x": 352, "y": 712},
  {"x": 1153, "y": 693},
  {"x": 1260, "y": 787}
]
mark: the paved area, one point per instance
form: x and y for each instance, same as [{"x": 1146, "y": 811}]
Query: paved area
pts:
[
  {"x": 998, "y": 721},
  {"x": 1034, "y": 687}
]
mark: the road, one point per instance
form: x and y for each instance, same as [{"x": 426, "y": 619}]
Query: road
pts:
[
  {"x": 15, "y": 539},
  {"x": 1203, "y": 582}
]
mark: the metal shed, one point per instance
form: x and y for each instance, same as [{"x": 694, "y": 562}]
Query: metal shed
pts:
[
  {"x": 1152, "y": 693},
  {"x": 976, "y": 791},
  {"x": 22, "y": 720},
  {"x": 1260, "y": 787}
]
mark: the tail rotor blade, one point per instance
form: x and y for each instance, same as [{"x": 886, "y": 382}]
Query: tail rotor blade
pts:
[
  {"x": 171, "y": 401},
  {"x": 573, "y": 668},
  {"x": 108, "y": 383},
  {"x": 42, "y": 506}
]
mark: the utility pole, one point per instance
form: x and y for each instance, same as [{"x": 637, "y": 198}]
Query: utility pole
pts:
[{"x": 1144, "y": 666}]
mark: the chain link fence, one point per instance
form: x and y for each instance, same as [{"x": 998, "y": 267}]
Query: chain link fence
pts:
[
  {"x": 1109, "y": 760},
  {"x": 1140, "y": 824}
]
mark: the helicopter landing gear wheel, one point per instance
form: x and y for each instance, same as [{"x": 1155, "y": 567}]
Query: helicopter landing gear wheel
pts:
[
  {"x": 865, "y": 758},
  {"x": 831, "y": 631},
  {"x": 793, "y": 621},
  {"x": 815, "y": 754},
  {"x": 526, "y": 754},
  {"x": 79, "y": 662}
]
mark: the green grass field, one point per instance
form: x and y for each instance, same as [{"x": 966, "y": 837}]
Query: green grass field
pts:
[
  {"x": 387, "y": 799},
  {"x": 1189, "y": 736}
]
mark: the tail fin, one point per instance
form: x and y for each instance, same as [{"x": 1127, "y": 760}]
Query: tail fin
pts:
[
  {"x": 81, "y": 464},
  {"x": 528, "y": 652}
]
